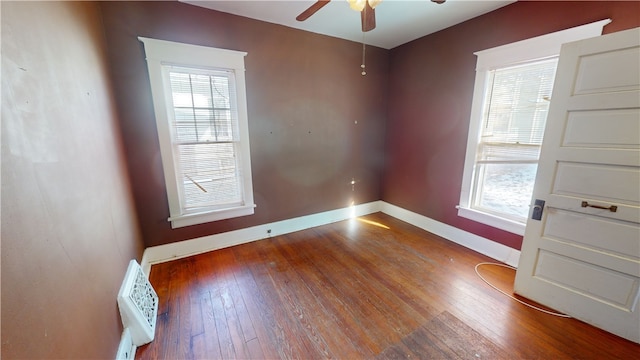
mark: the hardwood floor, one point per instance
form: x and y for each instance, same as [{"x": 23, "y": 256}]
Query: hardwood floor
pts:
[{"x": 373, "y": 287}]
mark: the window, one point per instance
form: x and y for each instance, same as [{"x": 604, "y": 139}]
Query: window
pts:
[
  {"x": 511, "y": 99},
  {"x": 510, "y": 138},
  {"x": 200, "y": 105}
]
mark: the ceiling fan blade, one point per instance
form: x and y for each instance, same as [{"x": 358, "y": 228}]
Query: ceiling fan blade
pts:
[
  {"x": 368, "y": 16},
  {"x": 312, "y": 10}
]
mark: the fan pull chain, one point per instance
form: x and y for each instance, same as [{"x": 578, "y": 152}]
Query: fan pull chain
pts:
[{"x": 364, "y": 72}]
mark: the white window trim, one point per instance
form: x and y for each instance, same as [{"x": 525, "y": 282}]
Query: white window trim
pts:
[
  {"x": 537, "y": 48},
  {"x": 161, "y": 52}
]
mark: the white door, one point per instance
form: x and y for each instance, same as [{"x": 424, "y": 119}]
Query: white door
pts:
[{"x": 583, "y": 256}]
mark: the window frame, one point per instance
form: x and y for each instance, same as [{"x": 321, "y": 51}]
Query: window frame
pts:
[
  {"x": 161, "y": 54},
  {"x": 537, "y": 48}
]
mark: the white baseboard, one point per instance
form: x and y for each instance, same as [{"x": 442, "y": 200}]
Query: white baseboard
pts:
[
  {"x": 474, "y": 242},
  {"x": 162, "y": 253}
]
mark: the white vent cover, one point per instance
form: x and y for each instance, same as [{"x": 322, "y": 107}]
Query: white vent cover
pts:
[{"x": 138, "y": 304}]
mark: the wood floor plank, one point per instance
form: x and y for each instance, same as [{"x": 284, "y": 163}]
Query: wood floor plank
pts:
[
  {"x": 175, "y": 293},
  {"x": 373, "y": 287},
  {"x": 259, "y": 309},
  {"x": 224, "y": 335},
  {"x": 362, "y": 297},
  {"x": 346, "y": 322},
  {"x": 195, "y": 310},
  {"x": 400, "y": 351},
  {"x": 285, "y": 330},
  {"x": 198, "y": 347},
  {"x": 380, "y": 298},
  {"x": 317, "y": 318},
  {"x": 409, "y": 286},
  {"x": 210, "y": 334},
  {"x": 255, "y": 349},
  {"x": 262, "y": 319},
  {"x": 295, "y": 299},
  {"x": 234, "y": 302},
  {"x": 231, "y": 310},
  {"x": 462, "y": 339},
  {"x": 424, "y": 347},
  {"x": 161, "y": 277}
]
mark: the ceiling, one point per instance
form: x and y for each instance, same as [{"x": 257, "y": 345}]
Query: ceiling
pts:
[{"x": 398, "y": 21}]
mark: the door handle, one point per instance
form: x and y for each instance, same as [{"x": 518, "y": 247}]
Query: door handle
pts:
[{"x": 611, "y": 208}]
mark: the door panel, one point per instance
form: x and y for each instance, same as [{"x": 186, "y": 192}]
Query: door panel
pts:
[
  {"x": 585, "y": 129},
  {"x": 594, "y": 181},
  {"x": 594, "y": 232},
  {"x": 611, "y": 157},
  {"x": 610, "y": 287},
  {"x": 625, "y": 265},
  {"x": 582, "y": 258},
  {"x": 595, "y": 75}
]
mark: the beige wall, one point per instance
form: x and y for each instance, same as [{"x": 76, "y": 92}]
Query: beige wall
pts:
[{"x": 68, "y": 223}]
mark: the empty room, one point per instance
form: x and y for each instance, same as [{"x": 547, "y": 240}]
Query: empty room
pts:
[{"x": 320, "y": 179}]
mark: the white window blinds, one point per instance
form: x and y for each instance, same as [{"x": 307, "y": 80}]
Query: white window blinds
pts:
[
  {"x": 204, "y": 123},
  {"x": 516, "y": 109},
  {"x": 516, "y": 106}
]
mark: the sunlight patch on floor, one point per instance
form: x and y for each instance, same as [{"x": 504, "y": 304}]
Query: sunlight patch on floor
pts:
[{"x": 375, "y": 223}]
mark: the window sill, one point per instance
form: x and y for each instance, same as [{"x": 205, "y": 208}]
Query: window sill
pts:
[
  {"x": 492, "y": 220},
  {"x": 209, "y": 216}
]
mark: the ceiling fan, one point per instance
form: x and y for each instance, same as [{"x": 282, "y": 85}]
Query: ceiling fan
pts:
[{"x": 366, "y": 8}]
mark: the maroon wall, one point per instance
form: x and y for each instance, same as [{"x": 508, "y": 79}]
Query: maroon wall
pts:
[
  {"x": 68, "y": 219},
  {"x": 430, "y": 91},
  {"x": 304, "y": 91}
]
